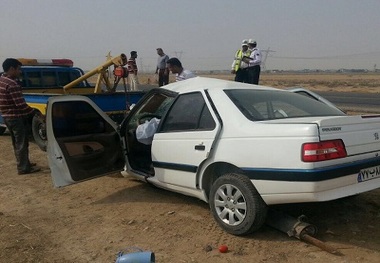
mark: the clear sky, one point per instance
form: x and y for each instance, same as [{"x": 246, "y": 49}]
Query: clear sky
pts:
[{"x": 204, "y": 34}]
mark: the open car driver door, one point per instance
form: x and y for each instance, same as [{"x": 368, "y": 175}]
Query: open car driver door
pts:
[{"x": 83, "y": 142}]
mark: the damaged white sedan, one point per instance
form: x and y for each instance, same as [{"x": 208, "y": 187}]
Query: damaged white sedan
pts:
[{"x": 237, "y": 146}]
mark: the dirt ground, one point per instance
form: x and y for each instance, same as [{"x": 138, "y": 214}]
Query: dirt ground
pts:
[{"x": 94, "y": 220}]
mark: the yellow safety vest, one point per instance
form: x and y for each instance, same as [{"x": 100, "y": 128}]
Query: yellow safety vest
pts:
[{"x": 239, "y": 58}]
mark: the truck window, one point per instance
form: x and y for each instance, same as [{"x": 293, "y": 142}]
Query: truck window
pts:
[
  {"x": 75, "y": 74},
  {"x": 64, "y": 78},
  {"x": 67, "y": 76},
  {"x": 49, "y": 79},
  {"x": 33, "y": 79}
]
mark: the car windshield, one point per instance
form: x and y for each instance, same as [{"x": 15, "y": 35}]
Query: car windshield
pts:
[{"x": 258, "y": 105}]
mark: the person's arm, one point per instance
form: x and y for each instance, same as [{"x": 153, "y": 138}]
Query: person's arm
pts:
[
  {"x": 157, "y": 68},
  {"x": 234, "y": 63},
  {"x": 257, "y": 57},
  {"x": 166, "y": 72},
  {"x": 233, "y": 66},
  {"x": 135, "y": 64}
]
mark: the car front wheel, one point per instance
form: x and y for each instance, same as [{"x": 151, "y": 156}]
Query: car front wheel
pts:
[
  {"x": 39, "y": 132},
  {"x": 236, "y": 205}
]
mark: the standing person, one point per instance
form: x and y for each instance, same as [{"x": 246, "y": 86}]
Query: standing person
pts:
[
  {"x": 132, "y": 71},
  {"x": 161, "y": 69},
  {"x": 254, "y": 62},
  {"x": 239, "y": 65},
  {"x": 16, "y": 114},
  {"x": 175, "y": 66},
  {"x": 120, "y": 72}
]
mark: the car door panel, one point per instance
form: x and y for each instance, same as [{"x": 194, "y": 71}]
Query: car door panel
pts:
[
  {"x": 185, "y": 140},
  {"x": 179, "y": 162},
  {"x": 83, "y": 141},
  {"x": 77, "y": 149},
  {"x": 86, "y": 155}
]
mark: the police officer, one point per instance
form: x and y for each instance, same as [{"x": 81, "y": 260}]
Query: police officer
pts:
[
  {"x": 239, "y": 66},
  {"x": 254, "y": 62}
]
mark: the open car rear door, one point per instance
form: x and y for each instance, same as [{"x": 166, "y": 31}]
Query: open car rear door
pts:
[{"x": 83, "y": 142}]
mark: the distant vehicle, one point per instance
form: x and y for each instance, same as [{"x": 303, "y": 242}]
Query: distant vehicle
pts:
[
  {"x": 237, "y": 146},
  {"x": 42, "y": 79}
]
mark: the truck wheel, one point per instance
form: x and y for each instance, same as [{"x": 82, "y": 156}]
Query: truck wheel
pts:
[
  {"x": 39, "y": 132},
  {"x": 2, "y": 130},
  {"x": 236, "y": 205}
]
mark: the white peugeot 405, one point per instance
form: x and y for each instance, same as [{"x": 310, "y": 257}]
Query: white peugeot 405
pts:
[{"x": 237, "y": 146}]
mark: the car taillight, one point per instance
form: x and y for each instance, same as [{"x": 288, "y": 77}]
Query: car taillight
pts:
[{"x": 322, "y": 151}]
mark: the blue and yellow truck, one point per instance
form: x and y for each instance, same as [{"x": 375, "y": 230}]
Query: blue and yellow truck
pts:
[{"x": 42, "y": 79}]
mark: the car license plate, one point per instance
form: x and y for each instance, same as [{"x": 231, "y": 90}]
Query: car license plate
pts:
[{"x": 369, "y": 174}]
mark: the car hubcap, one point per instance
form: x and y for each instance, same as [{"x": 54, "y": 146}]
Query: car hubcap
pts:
[
  {"x": 42, "y": 131},
  {"x": 230, "y": 204}
]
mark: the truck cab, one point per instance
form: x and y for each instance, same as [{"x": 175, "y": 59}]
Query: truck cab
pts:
[{"x": 50, "y": 76}]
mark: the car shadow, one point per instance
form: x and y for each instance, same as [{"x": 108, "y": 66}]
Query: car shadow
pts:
[
  {"x": 351, "y": 222},
  {"x": 146, "y": 193}
]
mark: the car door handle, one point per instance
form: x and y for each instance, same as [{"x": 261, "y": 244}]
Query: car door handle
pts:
[
  {"x": 200, "y": 147},
  {"x": 87, "y": 149}
]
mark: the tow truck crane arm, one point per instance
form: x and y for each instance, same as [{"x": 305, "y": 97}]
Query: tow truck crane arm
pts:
[{"x": 102, "y": 77}]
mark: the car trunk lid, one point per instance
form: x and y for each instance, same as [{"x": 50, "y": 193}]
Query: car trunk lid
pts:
[{"x": 360, "y": 134}]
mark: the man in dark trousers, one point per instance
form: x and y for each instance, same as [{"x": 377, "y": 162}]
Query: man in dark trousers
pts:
[
  {"x": 162, "y": 69},
  {"x": 16, "y": 114},
  {"x": 239, "y": 65},
  {"x": 254, "y": 63}
]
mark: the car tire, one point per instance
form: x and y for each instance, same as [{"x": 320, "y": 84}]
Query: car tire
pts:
[
  {"x": 236, "y": 205},
  {"x": 2, "y": 130},
  {"x": 39, "y": 132}
]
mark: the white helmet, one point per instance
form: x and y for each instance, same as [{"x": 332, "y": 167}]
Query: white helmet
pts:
[
  {"x": 251, "y": 41},
  {"x": 244, "y": 42}
]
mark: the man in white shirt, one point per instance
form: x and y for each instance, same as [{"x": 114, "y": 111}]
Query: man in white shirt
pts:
[
  {"x": 175, "y": 66},
  {"x": 254, "y": 63}
]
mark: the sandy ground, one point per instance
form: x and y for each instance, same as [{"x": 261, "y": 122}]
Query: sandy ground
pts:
[{"x": 94, "y": 220}]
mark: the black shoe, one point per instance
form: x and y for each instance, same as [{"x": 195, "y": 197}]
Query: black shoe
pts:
[{"x": 31, "y": 170}]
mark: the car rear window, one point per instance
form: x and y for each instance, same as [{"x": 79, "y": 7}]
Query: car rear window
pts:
[{"x": 258, "y": 105}]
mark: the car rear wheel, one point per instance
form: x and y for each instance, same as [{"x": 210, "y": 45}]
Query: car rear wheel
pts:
[
  {"x": 39, "y": 132},
  {"x": 236, "y": 205}
]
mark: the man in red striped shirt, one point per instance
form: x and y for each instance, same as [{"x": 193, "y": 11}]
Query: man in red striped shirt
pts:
[
  {"x": 132, "y": 71},
  {"x": 16, "y": 114}
]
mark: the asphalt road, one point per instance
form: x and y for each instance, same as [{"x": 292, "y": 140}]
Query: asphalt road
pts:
[{"x": 362, "y": 102}]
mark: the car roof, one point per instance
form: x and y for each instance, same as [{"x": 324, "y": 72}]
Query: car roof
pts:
[{"x": 202, "y": 83}]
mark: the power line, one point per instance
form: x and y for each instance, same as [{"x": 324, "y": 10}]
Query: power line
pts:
[
  {"x": 350, "y": 56},
  {"x": 266, "y": 52}
]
